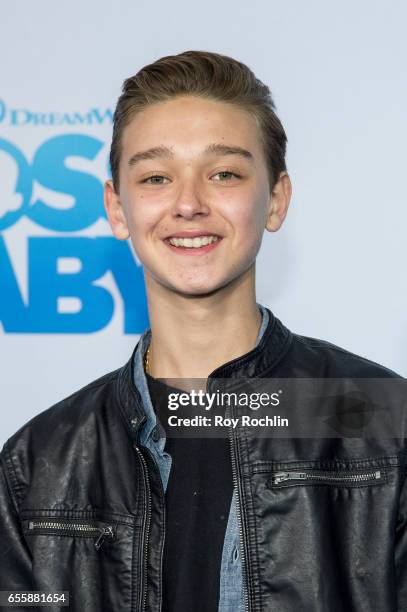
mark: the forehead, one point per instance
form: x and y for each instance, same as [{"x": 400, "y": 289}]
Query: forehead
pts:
[{"x": 188, "y": 123}]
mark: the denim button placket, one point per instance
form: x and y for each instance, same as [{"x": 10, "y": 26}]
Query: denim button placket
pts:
[{"x": 155, "y": 434}]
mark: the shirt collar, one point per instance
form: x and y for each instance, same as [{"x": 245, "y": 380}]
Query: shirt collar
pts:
[{"x": 141, "y": 383}]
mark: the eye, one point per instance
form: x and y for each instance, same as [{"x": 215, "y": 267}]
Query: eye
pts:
[
  {"x": 153, "y": 181},
  {"x": 226, "y": 174}
]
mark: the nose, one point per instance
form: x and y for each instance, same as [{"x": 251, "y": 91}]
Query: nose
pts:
[{"x": 190, "y": 200}]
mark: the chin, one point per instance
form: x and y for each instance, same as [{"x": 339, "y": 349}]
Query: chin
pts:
[
  {"x": 196, "y": 291},
  {"x": 195, "y": 288},
  {"x": 192, "y": 286}
]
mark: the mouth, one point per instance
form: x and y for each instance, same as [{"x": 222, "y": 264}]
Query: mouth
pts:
[{"x": 193, "y": 246}]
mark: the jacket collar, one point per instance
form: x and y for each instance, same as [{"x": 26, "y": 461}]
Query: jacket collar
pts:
[{"x": 273, "y": 341}]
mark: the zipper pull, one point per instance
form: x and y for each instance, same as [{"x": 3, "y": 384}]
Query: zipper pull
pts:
[
  {"x": 282, "y": 476},
  {"x": 105, "y": 532}
]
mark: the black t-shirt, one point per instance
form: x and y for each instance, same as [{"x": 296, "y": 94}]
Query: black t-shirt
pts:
[{"x": 198, "y": 499}]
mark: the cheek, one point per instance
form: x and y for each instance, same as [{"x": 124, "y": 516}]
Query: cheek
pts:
[
  {"x": 140, "y": 219},
  {"x": 248, "y": 218}
]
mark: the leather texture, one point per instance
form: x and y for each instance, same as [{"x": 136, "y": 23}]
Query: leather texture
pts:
[{"x": 82, "y": 504}]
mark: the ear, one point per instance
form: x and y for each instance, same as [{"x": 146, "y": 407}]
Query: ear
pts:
[
  {"x": 115, "y": 212},
  {"x": 279, "y": 202}
]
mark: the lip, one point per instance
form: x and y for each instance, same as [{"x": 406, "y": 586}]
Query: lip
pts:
[
  {"x": 190, "y": 250},
  {"x": 192, "y": 234}
]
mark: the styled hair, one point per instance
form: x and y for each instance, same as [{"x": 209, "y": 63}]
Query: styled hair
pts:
[{"x": 208, "y": 75}]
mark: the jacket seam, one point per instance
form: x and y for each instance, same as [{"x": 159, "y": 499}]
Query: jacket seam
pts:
[
  {"x": 11, "y": 477},
  {"x": 323, "y": 344},
  {"x": 402, "y": 483},
  {"x": 160, "y": 569},
  {"x": 397, "y": 513},
  {"x": 283, "y": 353},
  {"x": 133, "y": 572},
  {"x": 283, "y": 343},
  {"x": 82, "y": 513},
  {"x": 105, "y": 380},
  {"x": 9, "y": 491},
  {"x": 260, "y": 464},
  {"x": 124, "y": 383},
  {"x": 253, "y": 529},
  {"x": 108, "y": 380},
  {"x": 284, "y": 349},
  {"x": 271, "y": 367}
]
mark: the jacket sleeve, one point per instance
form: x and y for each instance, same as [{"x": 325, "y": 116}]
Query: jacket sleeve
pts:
[
  {"x": 401, "y": 550},
  {"x": 15, "y": 561}
]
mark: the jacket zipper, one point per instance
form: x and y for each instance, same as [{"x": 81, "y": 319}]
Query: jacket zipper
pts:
[
  {"x": 85, "y": 529},
  {"x": 146, "y": 530},
  {"x": 242, "y": 538},
  {"x": 328, "y": 477}
]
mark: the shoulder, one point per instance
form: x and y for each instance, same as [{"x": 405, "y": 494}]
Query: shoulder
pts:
[
  {"x": 63, "y": 439},
  {"x": 60, "y": 421},
  {"x": 323, "y": 358},
  {"x": 64, "y": 444}
]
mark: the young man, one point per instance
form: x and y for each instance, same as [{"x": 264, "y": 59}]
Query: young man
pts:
[{"x": 97, "y": 499}]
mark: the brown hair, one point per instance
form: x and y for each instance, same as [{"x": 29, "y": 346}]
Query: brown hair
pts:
[{"x": 208, "y": 75}]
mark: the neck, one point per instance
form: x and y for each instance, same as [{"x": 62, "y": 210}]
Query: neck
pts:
[{"x": 193, "y": 335}]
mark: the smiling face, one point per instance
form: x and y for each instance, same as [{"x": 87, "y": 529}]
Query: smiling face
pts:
[{"x": 194, "y": 167}]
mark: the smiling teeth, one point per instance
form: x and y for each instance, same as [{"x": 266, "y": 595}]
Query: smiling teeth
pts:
[{"x": 194, "y": 243}]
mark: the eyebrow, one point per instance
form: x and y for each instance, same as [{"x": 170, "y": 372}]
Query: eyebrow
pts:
[{"x": 212, "y": 149}]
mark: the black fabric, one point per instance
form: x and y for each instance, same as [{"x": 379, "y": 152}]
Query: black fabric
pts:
[{"x": 198, "y": 499}]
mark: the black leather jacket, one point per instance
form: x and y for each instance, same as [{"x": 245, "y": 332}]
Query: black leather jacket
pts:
[{"x": 82, "y": 506}]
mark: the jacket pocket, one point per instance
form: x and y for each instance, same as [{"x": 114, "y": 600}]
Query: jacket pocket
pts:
[
  {"x": 99, "y": 531},
  {"x": 324, "y": 533},
  {"x": 89, "y": 553},
  {"x": 334, "y": 478}
]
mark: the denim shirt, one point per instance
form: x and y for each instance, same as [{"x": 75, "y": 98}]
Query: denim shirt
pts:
[{"x": 231, "y": 581}]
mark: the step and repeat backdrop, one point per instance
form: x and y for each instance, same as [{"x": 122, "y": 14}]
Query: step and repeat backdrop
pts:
[{"x": 72, "y": 297}]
